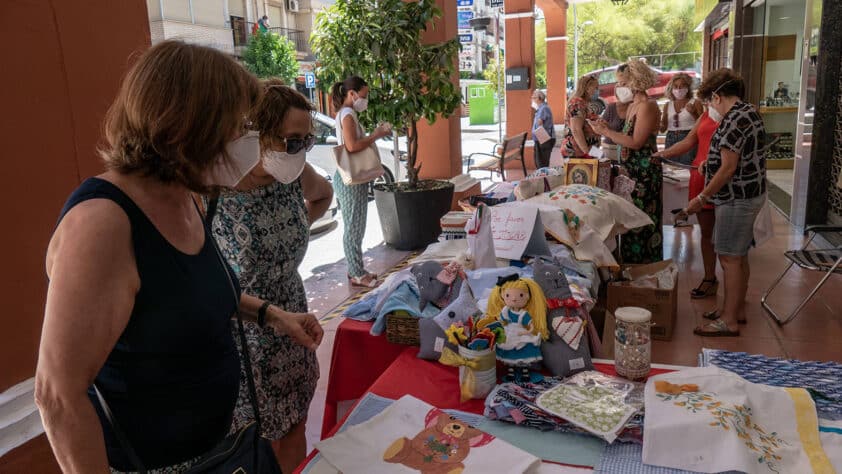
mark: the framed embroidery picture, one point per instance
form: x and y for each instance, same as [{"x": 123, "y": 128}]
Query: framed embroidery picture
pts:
[{"x": 581, "y": 171}]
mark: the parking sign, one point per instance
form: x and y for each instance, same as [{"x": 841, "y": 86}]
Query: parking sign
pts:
[{"x": 309, "y": 80}]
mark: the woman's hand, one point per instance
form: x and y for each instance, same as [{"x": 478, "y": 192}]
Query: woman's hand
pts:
[
  {"x": 694, "y": 206},
  {"x": 303, "y": 328},
  {"x": 599, "y": 126},
  {"x": 660, "y": 154},
  {"x": 383, "y": 130},
  {"x": 702, "y": 167}
]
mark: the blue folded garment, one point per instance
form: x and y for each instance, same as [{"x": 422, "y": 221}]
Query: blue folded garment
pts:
[
  {"x": 405, "y": 297},
  {"x": 362, "y": 310}
]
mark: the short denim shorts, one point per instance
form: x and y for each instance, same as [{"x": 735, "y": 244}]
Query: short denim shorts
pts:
[{"x": 733, "y": 233}]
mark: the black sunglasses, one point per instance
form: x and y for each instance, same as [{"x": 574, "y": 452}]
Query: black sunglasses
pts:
[{"x": 294, "y": 145}]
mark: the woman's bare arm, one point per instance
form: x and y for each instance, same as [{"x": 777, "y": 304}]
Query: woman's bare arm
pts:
[{"x": 93, "y": 283}]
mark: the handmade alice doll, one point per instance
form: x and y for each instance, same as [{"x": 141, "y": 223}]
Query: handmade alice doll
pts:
[{"x": 518, "y": 306}]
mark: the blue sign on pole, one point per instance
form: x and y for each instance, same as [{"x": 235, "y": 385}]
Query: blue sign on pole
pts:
[
  {"x": 463, "y": 20},
  {"x": 466, "y": 38},
  {"x": 309, "y": 80},
  {"x": 464, "y": 3}
]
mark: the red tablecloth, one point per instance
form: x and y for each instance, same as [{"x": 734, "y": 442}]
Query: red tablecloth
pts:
[
  {"x": 431, "y": 382},
  {"x": 358, "y": 359}
]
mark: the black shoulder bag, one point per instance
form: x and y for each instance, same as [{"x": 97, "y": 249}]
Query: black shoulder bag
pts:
[{"x": 243, "y": 452}]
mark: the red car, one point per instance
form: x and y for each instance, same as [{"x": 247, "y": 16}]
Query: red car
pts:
[{"x": 607, "y": 78}]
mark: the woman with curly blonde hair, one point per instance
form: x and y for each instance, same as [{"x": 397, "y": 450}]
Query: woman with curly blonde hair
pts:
[
  {"x": 637, "y": 142},
  {"x": 580, "y": 137}
]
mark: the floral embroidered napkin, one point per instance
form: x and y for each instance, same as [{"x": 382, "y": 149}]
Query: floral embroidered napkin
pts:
[{"x": 711, "y": 420}]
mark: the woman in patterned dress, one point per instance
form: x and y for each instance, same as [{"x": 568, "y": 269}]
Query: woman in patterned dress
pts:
[
  {"x": 580, "y": 137},
  {"x": 645, "y": 244},
  {"x": 262, "y": 229}
]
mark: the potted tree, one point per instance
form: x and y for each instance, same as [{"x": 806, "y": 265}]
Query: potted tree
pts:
[{"x": 381, "y": 41}]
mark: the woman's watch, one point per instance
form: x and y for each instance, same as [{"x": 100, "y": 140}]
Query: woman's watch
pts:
[
  {"x": 702, "y": 198},
  {"x": 261, "y": 313}
]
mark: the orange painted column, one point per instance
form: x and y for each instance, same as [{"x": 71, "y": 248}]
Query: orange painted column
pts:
[
  {"x": 68, "y": 61},
  {"x": 440, "y": 143},
  {"x": 555, "y": 18},
  {"x": 520, "y": 52}
]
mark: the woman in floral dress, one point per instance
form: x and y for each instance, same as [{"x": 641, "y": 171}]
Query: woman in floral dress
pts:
[
  {"x": 638, "y": 144},
  {"x": 580, "y": 137},
  {"x": 263, "y": 228}
]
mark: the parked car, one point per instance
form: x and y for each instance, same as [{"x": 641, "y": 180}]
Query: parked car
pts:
[
  {"x": 322, "y": 160},
  {"x": 607, "y": 78}
]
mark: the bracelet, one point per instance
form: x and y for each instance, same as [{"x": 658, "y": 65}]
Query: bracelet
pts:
[
  {"x": 261, "y": 313},
  {"x": 702, "y": 198}
]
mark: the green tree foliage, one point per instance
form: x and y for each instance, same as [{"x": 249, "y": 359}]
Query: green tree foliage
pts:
[
  {"x": 380, "y": 41},
  {"x": 638, "y": 28},
  {"x": 271, "y": 55},
  {"x": 490, "y": 73}
]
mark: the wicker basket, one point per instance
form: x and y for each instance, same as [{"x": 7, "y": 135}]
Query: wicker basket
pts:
[{"x": 402, "y": 329}]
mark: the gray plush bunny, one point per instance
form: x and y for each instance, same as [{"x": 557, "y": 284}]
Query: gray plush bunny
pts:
[
  {"x": 431, "y": 289},
  {"x": 560, "y": 357}
]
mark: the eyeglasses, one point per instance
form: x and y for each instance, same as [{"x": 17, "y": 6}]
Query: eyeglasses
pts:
[
  {"x": 294, "y": 145},
  {"x": 675, "y": 120}
]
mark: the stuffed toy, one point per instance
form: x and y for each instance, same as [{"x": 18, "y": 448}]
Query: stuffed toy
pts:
[
  {"x": 433, "y": 338},
  {"x": 438, "y": 284},
  {"x": 518, "y": 306},
  {"x": 440, "y": 448},
  {"x": 567, "y": 350}
]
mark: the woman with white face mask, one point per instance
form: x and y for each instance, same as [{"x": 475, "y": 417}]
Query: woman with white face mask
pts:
[
  {"x": 698, "y": 142},
  {"x": 680, "y": 114},
  {"x": 637, "y": 142},
  {"x": 262, "y": 228},
  {"x": 349, "y": 98},
  {"x": 139, "y": 301},
  {"x": 735, "y": 183}
]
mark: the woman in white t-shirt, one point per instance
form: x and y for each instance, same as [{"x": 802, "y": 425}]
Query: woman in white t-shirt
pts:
[
  {"x": 350, "y": 97},
  {"x": 680, "y": 114}
]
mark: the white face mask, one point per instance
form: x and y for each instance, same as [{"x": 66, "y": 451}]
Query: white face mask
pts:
[
  {"x": 714, "y": 114},
  {"x": 624, "y": 94},
  {"x": 283, "y": 166},
  {"x": 679, "y": 93},
  {"x": 535, "y": 105},
  {"x": 360, "y": 104},
  {"x": 244, "y": 154}
]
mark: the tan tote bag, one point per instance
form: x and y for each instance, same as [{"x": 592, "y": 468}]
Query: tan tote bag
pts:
[{"x": 360, "y": 167}]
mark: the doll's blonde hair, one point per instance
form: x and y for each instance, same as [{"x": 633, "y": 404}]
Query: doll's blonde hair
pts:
[{"x": 536, "y": 306}]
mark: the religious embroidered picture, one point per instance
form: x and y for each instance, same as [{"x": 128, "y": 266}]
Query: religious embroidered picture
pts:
[
  {"x": 598, "y": 409},
  {"x": 581, "y": 171},
  {"x": 440, "y": 447}
]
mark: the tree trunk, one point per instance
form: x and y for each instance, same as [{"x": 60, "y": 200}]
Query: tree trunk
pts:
[{"x": 412, "y": 155}]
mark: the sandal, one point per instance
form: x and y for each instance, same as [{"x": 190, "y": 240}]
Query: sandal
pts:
[
  {"x": 369, "y": 280},
  {"x": 715, "y": 328},
  {"x": 710, "y": 287},
  {"x": 714, "y": 315}
]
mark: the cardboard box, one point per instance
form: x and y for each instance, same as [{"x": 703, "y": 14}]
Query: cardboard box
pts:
[{"x": 662, "y": 303}]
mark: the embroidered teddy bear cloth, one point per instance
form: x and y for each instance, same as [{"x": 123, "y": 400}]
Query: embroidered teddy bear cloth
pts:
[{"x": 414, "y": 437}]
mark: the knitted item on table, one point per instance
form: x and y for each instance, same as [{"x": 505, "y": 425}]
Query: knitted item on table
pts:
[
  {"x": 625, "y": 458},
  {"x": 822, "y": 379}
]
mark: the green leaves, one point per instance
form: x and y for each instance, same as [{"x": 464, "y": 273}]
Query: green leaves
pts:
[
  {"x": 380, "y": 41},
  {"x": 271, "y": 55}
]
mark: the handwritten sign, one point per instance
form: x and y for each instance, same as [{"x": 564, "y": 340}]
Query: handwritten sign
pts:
[{"x": 517, "y": 231}]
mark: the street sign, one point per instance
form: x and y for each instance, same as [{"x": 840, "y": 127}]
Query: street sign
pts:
[
  {"x": 309, "y": 80},
  {"x": 466, "y": 38},
  {"x": 464, "y": 3},
  {"x": 464, "y": 19},
  {"x": 466, "y": 65},
  {"x": 496, "y": 3}
]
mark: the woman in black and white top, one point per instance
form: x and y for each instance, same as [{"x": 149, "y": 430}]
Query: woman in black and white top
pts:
[
  {"x": 735, "y": 182},
  {"x": 680, "y": 114}
]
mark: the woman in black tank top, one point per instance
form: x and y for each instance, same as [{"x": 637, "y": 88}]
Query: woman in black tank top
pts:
[{"x": 139, "y": 301}]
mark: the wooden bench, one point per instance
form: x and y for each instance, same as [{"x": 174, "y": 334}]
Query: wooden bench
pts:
[{"x": 512, "y": 150}]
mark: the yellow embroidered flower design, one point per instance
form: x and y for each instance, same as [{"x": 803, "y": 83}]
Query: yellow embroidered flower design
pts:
[{"x": 735, "y": 417}]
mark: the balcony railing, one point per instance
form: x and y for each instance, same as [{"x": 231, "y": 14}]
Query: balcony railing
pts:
[{"x": 242, "y": 31}]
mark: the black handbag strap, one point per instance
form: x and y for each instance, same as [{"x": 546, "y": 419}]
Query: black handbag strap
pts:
[
  {"x": 121, "y": 436},
  {"x": 119, "y": 433}
]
